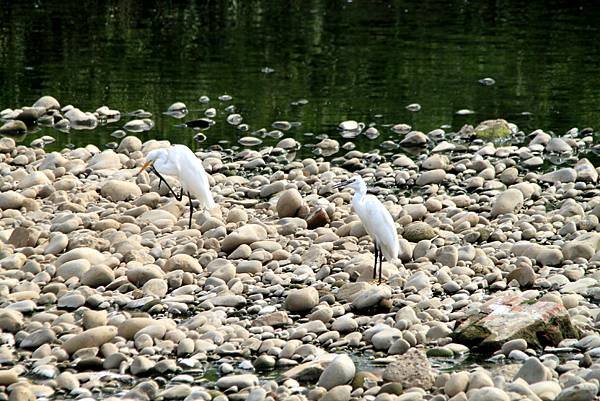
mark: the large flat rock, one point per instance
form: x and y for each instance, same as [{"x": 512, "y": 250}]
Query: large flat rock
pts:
[{"x": 511, "y": 317}]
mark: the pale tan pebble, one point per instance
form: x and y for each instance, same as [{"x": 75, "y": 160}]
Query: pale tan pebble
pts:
[
  {"x": 93, "y": 318},
  {"x": 94, "y": 337}
]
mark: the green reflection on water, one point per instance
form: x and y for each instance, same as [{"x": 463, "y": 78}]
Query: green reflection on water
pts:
[{"x": 350, "y": 60}]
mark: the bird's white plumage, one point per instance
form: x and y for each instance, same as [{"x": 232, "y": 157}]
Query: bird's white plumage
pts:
[
  {"x": 378, "y": 223},
  {"x": 181, "y": 162},
  {"x": 376, "y": 219}
]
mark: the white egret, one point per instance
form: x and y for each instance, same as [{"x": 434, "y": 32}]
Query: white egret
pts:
[
  {"x": 181, "y": 162},
  {"x": 376, "y": 219}
]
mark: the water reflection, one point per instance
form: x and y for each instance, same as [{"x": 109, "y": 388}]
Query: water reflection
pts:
[{"x": 317, "y": 62}]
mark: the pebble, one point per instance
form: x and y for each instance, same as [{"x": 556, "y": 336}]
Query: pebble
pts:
[
  {"x": 339, "y": 372},
  {"x": 302, "y": 300},
  {"x": 99, "y": 273}
]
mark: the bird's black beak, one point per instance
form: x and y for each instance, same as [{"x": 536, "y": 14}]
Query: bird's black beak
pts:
[{"x": 342, "y": 184}]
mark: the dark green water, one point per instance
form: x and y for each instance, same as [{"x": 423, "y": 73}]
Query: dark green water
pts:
[{"x": 363, "y": 60}]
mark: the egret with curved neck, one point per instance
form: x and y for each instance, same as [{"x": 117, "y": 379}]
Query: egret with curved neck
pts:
[
  {"x": 179, "y": 161},
  {"x": 376, "y": 219}
]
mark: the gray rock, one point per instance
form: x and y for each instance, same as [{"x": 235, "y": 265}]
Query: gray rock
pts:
[
  {"x": 417, "y": 231},
  {"x": 578, "y": 392},
  {"x": 525, "y": 275},
  {"x": 130, "y": 144},
  {"x": 340, "y": 371},
  {"x": 47, "y": 102},
  {"x": 586, "y": 171},
  {"x": 98, "y": 275},
  {"x": 546, "y": 390},
  {"x": 183, "y": 262},
  {"x": 558, "y": 145},
  {"x": 431, "y": 177},
  {"x": 302, "y": 300},
  {"x": 13, "y": 127},
  {"x": 273, "y": 188},
  {"x": 383, "y": 339},
  {"x": 338, "y": 393},
  {"x": 447, "y": 256},
  {"x": 457, "y": 383},
  {"x": 410, "y": 370},
  {"x": 533, "y": 371},
  {"x": 90, "y": 338},
  {"x": 37, "y": 338},
  {"x": 56, "y": 244},
  {"x": 488, "y": 394},
  {"x": 155, "y": 287},
  {"x": 584, "y": 246},
  {"x": 516, "y": 344},
  {"x": 509, "y": 201},
  {"x": 11, "y": 200},
  {"x": 239, "y": 381},
  {"x": 116, "y": 190},
  {"x": 73, "y": 268},
  {"x": 22, "y": 237},
  {"x": 246, "y": 234},
  {"x": 222, "y": 269},
  {"x": 414, "y": 138},
  {"x": 33, "y": 179},
  {"x": 289, "y": 203},
  {"x": 371, "y": 297},
  {"x": 562, "y": 175}
]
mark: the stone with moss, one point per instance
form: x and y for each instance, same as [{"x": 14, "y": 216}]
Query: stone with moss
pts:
[
  {"x": 492, "y": 129},
  {"x": 513, "y": 317}
]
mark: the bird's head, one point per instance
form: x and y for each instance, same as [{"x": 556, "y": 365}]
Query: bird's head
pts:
[
  {"x": 356, "y": 183},
  {"x": 151, "y": 157}
]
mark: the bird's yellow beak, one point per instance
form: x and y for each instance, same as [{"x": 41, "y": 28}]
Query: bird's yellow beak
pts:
[{"x": 144, "y": 167}]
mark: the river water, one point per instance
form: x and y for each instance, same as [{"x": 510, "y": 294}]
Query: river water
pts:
[{"x": 362, "y": 60}]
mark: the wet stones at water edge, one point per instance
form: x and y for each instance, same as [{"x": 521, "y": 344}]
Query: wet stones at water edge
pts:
[{"x": 105, "y": 289}]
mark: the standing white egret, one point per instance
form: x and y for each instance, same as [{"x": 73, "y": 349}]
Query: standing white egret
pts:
[
  {"x": 181, "y": 162},
  {"x": 376, "y": 219}
]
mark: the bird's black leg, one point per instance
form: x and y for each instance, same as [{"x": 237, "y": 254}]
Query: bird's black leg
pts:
[
  {"x": 162, "y": 179},
  {"x": 376, "y": 255},
  {"x": 191, "y": 207},
  {"x": 181, "y": 195},
  {"x": 380, "y": 265}
]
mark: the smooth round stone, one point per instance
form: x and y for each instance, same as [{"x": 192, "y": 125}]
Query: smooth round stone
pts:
[
  {"x": 98, "y": 275},
  {"x": 140, "y": 365},
  {"x": 533, "y": 371},
  {"x": 344, "y": 324},
  {"x": 339, "y": 372},
  {"x": 517, "y": 344},
  {"x": 264, "y": 362},
  {"x": 440, "y": 352},
  {"x": 458, "y": 382},
  {"x": 488, "y": 394},
  {"x": 67, "y": 381},
  {"x": 480, "y": 379},
  {"x": 338, "y": 393},
  {"x": 239, "y": 381},
  {"x": 156, "y": 287},
  {"x": 399, "y": 347},
  {"x": 94, "y": 337},
  {"x": 578, "y": 392},
  {"x": 546, "y": 390},
  {"x": 302, "y": 300},
  {"x": 289, "y": 203},
  {"x": 177, "y": 392},
  {"x": 71, "y": 301}
]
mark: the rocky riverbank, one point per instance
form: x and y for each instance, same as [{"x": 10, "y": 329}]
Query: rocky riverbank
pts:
[{"x": 106, "y": 293}]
